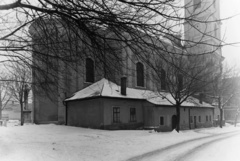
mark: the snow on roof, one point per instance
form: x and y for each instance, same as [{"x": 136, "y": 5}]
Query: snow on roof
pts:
[{"x": 107, "y": 88}]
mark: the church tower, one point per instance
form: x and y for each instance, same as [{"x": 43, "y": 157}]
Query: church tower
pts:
[{"x": 202, "y": 28}]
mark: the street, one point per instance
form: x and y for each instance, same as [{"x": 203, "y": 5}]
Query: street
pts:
[
  {"x": 61, "y": 143},
  {"x": 217, "y": 147}
]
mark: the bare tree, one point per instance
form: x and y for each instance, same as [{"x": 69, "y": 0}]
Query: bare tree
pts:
[
  {"x": 131, "y": 22},
  {"x": 62, "y": 34},
  {"x": 5, "y": 94},
  {"x": 224, "y": 89},
  {"x": 189, "y": 77},
  {"x": 20, "y": 86}
]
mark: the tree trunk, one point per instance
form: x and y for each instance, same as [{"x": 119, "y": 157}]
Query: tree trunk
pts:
[
  {"x": 236, "y": 118},
  {"x": 221, "y": 111},
  {"x": 22, "y": 116},
  {"x": 221, "y": 118},
  {"x": 178, "y": 116}
]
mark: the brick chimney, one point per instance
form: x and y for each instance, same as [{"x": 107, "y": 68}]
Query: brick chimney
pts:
[
  {"x": 124, "y": 86},
  {"x": 201, "y": 97}
]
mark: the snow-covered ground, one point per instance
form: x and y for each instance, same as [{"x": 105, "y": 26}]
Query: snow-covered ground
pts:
[{"x": 65, "y": 143}]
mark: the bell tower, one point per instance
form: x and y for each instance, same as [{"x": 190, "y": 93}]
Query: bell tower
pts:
[{"x": 202, "y": 28}]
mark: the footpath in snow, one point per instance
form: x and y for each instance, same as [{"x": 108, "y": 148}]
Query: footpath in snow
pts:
[{"x": 65, "y": 143}]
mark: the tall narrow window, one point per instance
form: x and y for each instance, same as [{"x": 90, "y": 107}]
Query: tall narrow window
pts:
[
  {"x": 161, "y": 120},
  {"x": 132, "y": 114},
  {"x": 215, "y": 31},
  {"x": 180, "y": 82},
  {"x": 206, "y": 118},
  {"x": 140, "y": 74},
  {"x": 163, "y": 79},
  {"x": 197, "y": 4},
  {"x": 116, "y": 114},
  {"x": 89, "y": 70}
]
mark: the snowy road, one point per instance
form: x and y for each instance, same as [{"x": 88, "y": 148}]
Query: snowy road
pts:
[
  {"x": 217, "y": 147},
  {"x": 65, "y": 143}
]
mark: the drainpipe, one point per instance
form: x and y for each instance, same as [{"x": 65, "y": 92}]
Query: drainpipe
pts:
[{"x": 65, "y": 104}]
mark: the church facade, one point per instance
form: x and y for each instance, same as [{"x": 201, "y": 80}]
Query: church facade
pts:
[{"x": 87, "y": 94}]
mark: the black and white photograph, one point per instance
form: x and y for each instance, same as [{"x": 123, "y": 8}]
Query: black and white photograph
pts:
[{"x": 119, "y": 80}]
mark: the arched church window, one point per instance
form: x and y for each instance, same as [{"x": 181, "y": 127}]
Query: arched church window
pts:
[
  {"x": 180, "y": 81},
  {"x": 163, "y": 79},
  {"x": 89, "y": 70},
  {"x": 215, "y": 31},
  {"x": 140, "y": 74}
]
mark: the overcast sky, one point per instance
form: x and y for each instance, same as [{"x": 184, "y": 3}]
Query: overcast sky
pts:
[{"x": 231, "y": 30}]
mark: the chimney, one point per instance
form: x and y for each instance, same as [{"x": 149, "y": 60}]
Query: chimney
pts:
[
  {"x": 124, "y": 86},
  {"x": 201, "y": 97}
]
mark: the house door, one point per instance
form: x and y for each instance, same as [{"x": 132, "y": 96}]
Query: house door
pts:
[
  {"x": 195, "y": 121},
  {"x": 174, "y": 122}
]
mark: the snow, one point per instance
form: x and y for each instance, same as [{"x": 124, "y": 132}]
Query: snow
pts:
[
  {"x": 65, "y": 143},
  {"x": 107, "y": 88}
]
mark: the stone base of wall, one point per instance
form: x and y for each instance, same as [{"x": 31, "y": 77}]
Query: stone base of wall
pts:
[{"x": 124, "y": 126}]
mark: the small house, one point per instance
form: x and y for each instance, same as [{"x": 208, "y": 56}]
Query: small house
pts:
[{"x": 106, "y": 105}]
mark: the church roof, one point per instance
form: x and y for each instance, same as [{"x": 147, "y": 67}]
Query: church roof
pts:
[{"x": 106, "y": 88}]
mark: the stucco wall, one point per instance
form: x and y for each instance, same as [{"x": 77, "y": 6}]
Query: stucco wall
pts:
[
  {"x": 85, "y": 113},
  {"x": 125, "y": 106},
  {"x": 202, "y": 112},
  {"x": 153, "y": 113},
  {"x": 45, "y": 111}
]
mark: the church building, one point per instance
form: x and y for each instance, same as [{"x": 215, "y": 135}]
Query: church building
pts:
[{"x": 123, "y": 94}]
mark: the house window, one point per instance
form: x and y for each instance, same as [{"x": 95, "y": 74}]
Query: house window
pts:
[
  {"x": 199, "y": 118},
  {"x": 132, "y": 114},
  {"x": 116, "y": 114},
  {"x": 140, "y": 74},
  {"x": 180, "y": 82},
  {"x": 161, "y": 120},
  {"x": 197, "y": 4},
  {"x": 191, "y": 119},
  {"x": 89, "y": 70},
  {"x": 163, "y": 79},
  {"x": 206, "y": 118}
]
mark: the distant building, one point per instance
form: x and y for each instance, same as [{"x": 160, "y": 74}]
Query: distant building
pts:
[{"x": 231, "y": 98}]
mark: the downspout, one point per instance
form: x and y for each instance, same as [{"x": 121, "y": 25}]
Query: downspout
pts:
[{"x": 66, "y": 112}]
